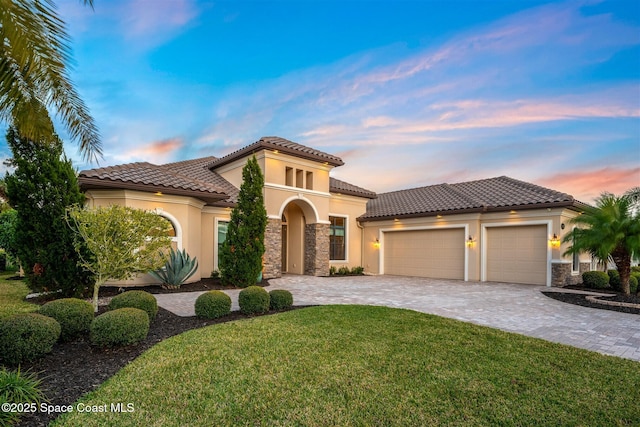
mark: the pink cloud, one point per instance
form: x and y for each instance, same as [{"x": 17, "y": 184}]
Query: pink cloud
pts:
[
  {"x": 588, "y": 185},
  {"x": 155, "y": 152}
]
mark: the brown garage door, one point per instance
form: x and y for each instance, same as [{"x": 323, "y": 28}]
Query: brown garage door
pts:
[
  {"x": 517, "y": 254},
  {"x": 425, "y": 253}
]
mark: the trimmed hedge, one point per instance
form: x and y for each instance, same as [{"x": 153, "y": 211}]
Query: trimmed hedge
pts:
[
  {"x": 122, "y": 326},
  {"x": 595, "y": 279},
  {"x": 136, "y": 299},
  {"x": 73, "y": 314},
  {"x": 280, "y": 299},
  {"x": 253, "y": 300},
  {"x": 213, "y": 304},
  {"x": 27, "y": 336},
  {"x": 633, "y": 282},
  {"x": 614, "y": 280}
]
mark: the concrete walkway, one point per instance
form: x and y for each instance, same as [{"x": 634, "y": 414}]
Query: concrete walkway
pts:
[{"x": 514, "y": 308}]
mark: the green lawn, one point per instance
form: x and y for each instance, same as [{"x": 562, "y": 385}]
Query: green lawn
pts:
[
  {"x": 12, "y": 293},
  {"x": 365, "y": 366}
]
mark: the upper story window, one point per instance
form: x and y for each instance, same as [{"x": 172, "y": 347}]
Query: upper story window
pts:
[
  {"x": 337, "y": 238},
  {"x": 288, "y": 173},
  {"x": 298, "y": 178}
]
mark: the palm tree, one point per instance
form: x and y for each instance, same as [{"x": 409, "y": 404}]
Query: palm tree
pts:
[
  {"x": 610, "y": 231},
  {"x": 34, "y": 58}
]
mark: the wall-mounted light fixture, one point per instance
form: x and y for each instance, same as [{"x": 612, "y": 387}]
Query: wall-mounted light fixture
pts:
[
  {"x": 555, "y": 241},
  {"x": 376, "y": 244},
  {"x": 470, "y": 241}
]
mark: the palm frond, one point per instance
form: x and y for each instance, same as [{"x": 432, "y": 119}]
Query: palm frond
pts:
[{"x": 34, "y": 59}]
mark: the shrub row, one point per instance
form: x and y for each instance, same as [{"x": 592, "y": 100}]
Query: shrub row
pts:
[
  {"x": 252, "y": 300},
  {"x": 602, "y": 280},
  {"x": 345, "y": 271},
  {"x": 25, "y": 337}
]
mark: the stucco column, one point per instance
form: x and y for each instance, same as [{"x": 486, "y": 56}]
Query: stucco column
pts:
[
  {"x": 272, "y": 258},
  {"x": 316, "y": 254}
]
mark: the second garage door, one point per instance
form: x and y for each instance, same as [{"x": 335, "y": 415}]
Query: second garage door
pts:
[
  {"x": 425, "y": 253},
  {"x": 517, "y": 254}
]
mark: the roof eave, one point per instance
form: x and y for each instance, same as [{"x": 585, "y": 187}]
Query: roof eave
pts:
[
  {"x": 569, "y": 204},
  {"x": 353, "y": 193},
  {"x": 262, "y": 145},
  {"x": 531, "y": 206},
  {"x": 89, "y": 183},
  {"x": 420, "y": 214}
]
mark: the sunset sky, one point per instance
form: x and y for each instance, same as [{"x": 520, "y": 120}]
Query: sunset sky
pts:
[{"x": 408, "y": 93}]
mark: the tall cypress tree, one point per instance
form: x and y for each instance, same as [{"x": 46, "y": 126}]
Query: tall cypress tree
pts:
[
  {"x": 241, "y": 253},
  {"x": 43, "y": 185}
]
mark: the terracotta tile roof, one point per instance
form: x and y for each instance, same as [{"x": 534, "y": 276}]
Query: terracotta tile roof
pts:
[
  {"x": 282, "y": 145},
  {"x": 493, "y": 194},
  {"x": 337, "y": 186},
  {"x": 198, "y": 169},
  {"x": 168, "y": 179}
]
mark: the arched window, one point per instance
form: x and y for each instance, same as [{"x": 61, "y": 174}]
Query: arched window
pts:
[{"x": 175, "y": 232}]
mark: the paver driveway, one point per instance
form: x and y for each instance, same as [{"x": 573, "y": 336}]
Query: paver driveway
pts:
[{"x": 515, "y": 308}]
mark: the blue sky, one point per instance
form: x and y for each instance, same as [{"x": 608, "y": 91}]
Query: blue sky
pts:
[{"x": 408, "y": 93}]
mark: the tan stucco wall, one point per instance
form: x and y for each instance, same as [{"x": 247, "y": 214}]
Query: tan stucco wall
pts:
[
  {"x": 352, "y": 208},
  {"x": 185, "y": 212},
  {"x": 209, "y": 223}
]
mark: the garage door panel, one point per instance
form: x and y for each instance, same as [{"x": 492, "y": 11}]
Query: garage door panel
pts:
[
  {"x": 425, "y": 253},
  {"x": 517, "y": 254}
]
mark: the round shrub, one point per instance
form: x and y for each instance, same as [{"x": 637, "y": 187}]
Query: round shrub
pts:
[
  {"x": 253, "y": 300},
  {"x": 136, "y": 299},
  {"x": 595, "y": 279},
  {"x": 73, "y": 314},
  {"x": 280, "y": 299},
  {"x": 122, "y": 326},
  {"x": 614, "y": 280},
  {"x": 27, "y": 336},
  {"x": 213, "y": 304},
  {"x": 633, "y": 283}
]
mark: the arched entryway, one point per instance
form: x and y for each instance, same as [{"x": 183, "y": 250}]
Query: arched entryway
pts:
[{"x": 296, "y": 241}]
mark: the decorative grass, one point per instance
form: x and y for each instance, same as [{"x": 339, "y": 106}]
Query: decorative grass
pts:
[
  {"x": 362, "y": 365},
  {"x": 12, "y": 293}
]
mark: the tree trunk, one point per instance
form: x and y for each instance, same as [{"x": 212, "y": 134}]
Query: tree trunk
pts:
[
  {"x": 96, "y": 289},
  {"x": 622, "y": 260}
]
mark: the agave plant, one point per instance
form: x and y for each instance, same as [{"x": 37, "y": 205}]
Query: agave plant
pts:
[{"x": 178, "y": 268}]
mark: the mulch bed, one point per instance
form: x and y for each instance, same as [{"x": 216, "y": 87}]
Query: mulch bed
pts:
[
  {"x": 76, "y": 368},
  {"x": 579, "y": 299}
]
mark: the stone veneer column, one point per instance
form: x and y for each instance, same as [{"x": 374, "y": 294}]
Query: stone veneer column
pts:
[
  {"x": 560, "y": 273},
  {"x": 272, "y": 258},
  {"x": 316, "y": 252}
]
